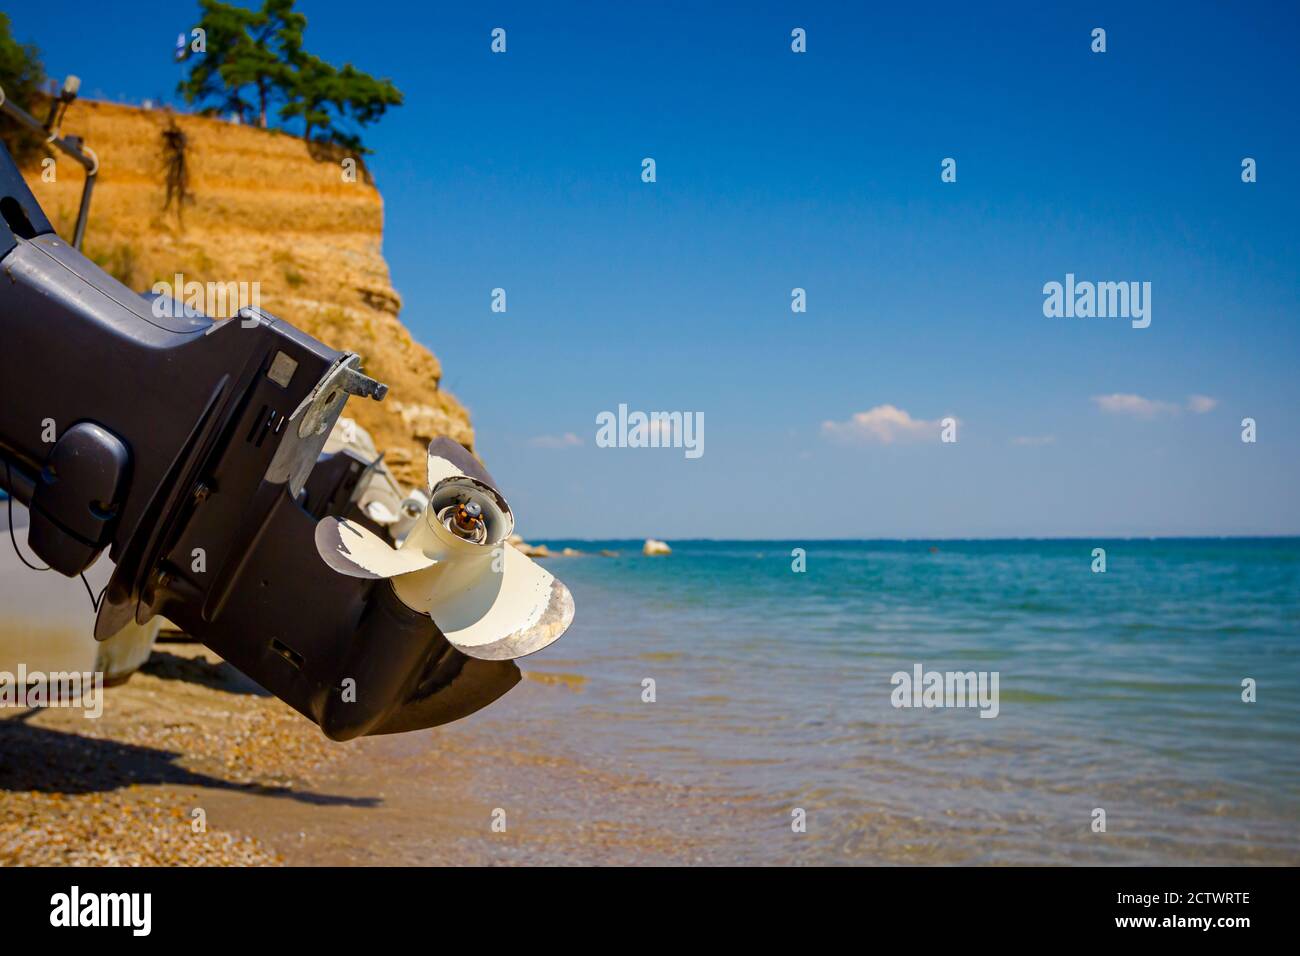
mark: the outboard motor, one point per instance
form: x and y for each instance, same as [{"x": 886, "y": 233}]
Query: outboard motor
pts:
[{"x": 186, "y": 446}]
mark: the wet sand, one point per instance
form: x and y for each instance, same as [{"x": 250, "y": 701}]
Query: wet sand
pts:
[
  {"x": 190, "y": 733},
  {"x": 580, "y": 780}
]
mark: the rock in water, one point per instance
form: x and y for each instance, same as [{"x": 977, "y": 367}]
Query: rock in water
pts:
[{"x": 653, "y": 547}]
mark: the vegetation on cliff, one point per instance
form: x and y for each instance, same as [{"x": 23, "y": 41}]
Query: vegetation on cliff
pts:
[
  {"x": 233, "y": 51},
  {"x": 21, "y": 77}
]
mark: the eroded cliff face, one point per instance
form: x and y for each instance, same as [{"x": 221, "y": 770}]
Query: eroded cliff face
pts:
[{"x": 260, "y": 208}]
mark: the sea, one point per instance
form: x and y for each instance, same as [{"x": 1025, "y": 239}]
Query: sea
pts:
[{"x": 1147, "y": 713}]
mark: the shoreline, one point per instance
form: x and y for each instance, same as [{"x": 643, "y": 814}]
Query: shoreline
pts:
[
  {"x": 763, "y": 707},
  {"x": 189, "y": 733}
]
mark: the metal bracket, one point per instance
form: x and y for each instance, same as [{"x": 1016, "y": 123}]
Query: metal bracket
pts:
[
  {"x": 315, "y": 416},
  {"x": 325, "y": 402}
]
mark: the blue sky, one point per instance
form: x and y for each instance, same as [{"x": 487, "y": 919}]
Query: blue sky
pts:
[{"x": 822, "y": 171}]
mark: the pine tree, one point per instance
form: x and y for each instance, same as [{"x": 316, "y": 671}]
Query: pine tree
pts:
[
  {"x": 246, "y": 48},
  {"x": 314, "y": 84},
  {"x": 262, "y": 51},
  {"x": 211, "y": 72},
  {"x": 363, "y": 99}
]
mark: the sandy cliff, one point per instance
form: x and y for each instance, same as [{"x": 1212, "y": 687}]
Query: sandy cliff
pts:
[{"x": 262, "y": 208}]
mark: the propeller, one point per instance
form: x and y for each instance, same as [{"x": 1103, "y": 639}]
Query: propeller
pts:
[{"x": 489, "y": 599}]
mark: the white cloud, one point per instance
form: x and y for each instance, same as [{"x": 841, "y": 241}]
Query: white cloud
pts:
[
  {"x": 567, "y": 440},
  {"x": 1200, "y": 404},
  {"x": 884, "y": 424},
  {"x": 1135, "y": 405},
  {"x": 1033, "y": 439}
]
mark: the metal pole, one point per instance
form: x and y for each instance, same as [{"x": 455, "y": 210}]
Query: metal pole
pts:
[
  {"x": 83, "y": 213},
  {"x": 72, "y": 146}
]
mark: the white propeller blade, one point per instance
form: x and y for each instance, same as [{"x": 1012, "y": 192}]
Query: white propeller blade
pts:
[
  {"x": 489, "y": 600},
  {"x": 440, "y": 468},
  {"x": 358, "y": 552},
  {"x": 496, "y": 607}
]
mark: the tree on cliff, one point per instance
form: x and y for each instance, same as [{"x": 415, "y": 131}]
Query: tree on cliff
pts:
[
  {"x": 244, "y": 48},
  {"x": 21, "y": 77},
  {"x": 315, "y": 85},
  {"x": 355, "y": 96},
  {"x": 263, "y": 50}
]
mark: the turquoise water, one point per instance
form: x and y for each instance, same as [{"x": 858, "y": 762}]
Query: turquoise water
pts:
[{"x": 1118, "y": 690}]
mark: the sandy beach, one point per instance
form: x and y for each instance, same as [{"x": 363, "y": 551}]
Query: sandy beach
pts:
[{"x": 190, "y": 733}]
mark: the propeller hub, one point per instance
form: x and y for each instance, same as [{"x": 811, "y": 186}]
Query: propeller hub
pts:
[{"x": 465, "y": 520}]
